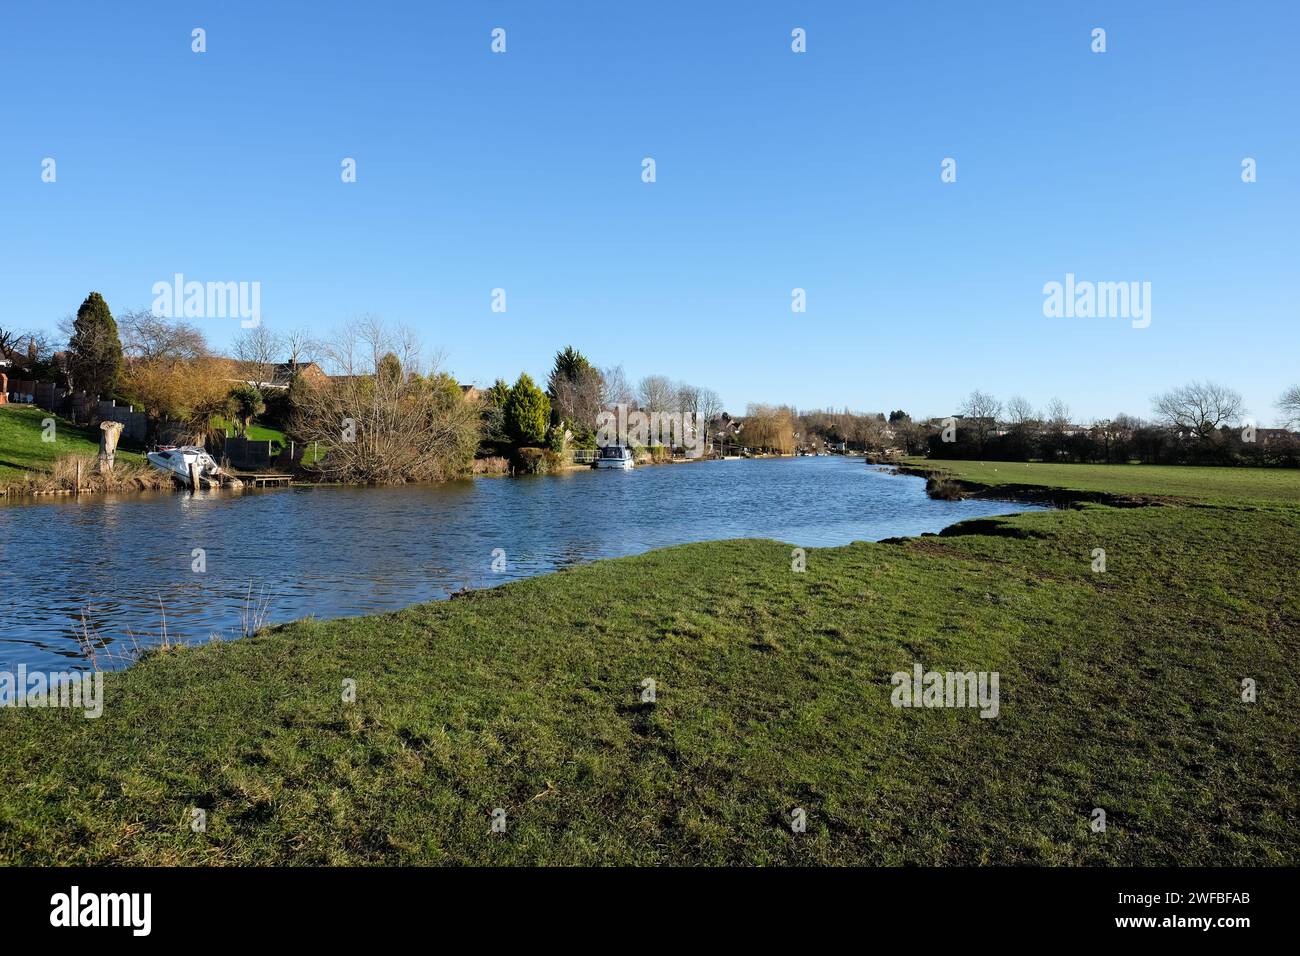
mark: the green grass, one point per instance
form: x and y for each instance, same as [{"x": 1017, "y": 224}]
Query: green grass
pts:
[
  {"x": 258, "y": 432},
  {"x": 1118, "y": 690},
  {"x": 23, "y": 448},
  {"x": 1218, "y": 485}
]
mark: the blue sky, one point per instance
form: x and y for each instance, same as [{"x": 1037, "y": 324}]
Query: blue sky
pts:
[{"x": 775, "y": 170}]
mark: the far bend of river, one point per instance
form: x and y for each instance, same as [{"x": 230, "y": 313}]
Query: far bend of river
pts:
[{"x": 331, "y": 552}]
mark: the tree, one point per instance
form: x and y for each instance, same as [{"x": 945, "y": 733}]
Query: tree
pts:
[
  {"x": 527, "y": 412},
  {"x": 494, "y": 420},
  {"x": 769, "y": 428},
  {"x": 390, "y": 369},
  {"x": 29, "y": 350},
  {"x": 259, "y": 349},
  {"x": 180, "y": 394},
  {"x": 656, "y": 393},
  {"x": 382, "y": 428},
  {"x": 614, "y": 389},
  {"x": 982, "y": 411},
  {"x": 1289, "y": 405},
  {"x": 11, "y": 340},
  {"x": 710, "y": 408},
  {"x": 1198, "y": 409},
  {"x": 246, "y": 404},
  {"x": 94, "y": 348},
  {"x": 1019, "y": 412},
  {"x": 148, "y": 336},
  {"x": 299, "y": 348},
  {"x": 574, "y": 390},
  {"x": 1058, "y": 414}
]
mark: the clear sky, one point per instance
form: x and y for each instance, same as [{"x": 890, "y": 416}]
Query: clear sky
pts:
[{"x": 775, "y": 170}]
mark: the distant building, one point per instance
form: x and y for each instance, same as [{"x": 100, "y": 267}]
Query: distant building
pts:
[{"x": 281, "y": 374}]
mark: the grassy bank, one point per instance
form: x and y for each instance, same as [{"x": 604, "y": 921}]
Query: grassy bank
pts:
[
  {"x": 1119, "y": 690},
  {"x": 31, "y": 465},
  {"x": 23, "y": 449},
  {"x": 1187, "y": 482}
]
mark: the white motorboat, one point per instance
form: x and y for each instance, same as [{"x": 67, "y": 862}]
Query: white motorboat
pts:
[
  {"x": 614, "y": 456},
  {"x": 176, "y": 461}
]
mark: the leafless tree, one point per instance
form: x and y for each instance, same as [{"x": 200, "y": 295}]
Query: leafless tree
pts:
[
  {"x": 299, "y": 347},
  {"x": 10, "y": 341},
  {"x": 259, "y": 349},
  {"x": 710, "y": 407},
  {"x": 577, "y": 399},
  {"x": 148, "y": 337},
  {"x": 656, "y": 393},
  {"x": 1020, "y": 412},
  {"x": 378, "y": 419},
  {"x": 1289, "y": 405},
  {"x": 614, "y": 389},
  {"x": 1199, "y": 409},
  {"x": 24, "y": 347},
  {"x": 688, "y": 398},
  {"x": 982, "y": 410}
]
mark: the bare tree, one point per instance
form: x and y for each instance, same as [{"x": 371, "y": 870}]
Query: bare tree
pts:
[
  {"x": 656, "y": 393},
  {"x": 982, "y": 410},
  {"x": 576, "y": 399},
  {"x": 148, "y": 337},
  {"x": 24, "y": 347},
  {"x": 710, "y": 407},
  {"x": 10, "y": 340},
  {"x": 299, "y": 347},
  {"x": 259, "y": 349},
  {"x": 1020, "y": 412},
  {"x": 1289, "y": 405},
  {"x": 614, "y": 389},
  {"x": 1199, "y": 409},
  {"x": 1057, "y": 415},
  {"x": 378, "y": 419}
]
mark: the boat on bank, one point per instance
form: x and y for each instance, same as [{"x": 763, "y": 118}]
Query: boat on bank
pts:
[{"x": 185, "y": 463}]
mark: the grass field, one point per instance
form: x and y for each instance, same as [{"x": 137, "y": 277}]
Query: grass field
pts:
[
  {"x": 1118, "y": 690},
  {"x": 1219, "y": 485},
  {"x": 23, "y": 449}
]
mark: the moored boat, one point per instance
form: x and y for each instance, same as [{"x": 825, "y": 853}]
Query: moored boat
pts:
[
  {"x": 614, "y": 456},
  {"x": 177, "y": 462}
]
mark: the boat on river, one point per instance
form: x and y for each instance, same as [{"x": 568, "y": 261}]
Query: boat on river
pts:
[{"x": 614, "y": 456}]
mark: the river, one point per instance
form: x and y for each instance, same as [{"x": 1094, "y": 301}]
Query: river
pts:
[{"x": 117, "y": 564}]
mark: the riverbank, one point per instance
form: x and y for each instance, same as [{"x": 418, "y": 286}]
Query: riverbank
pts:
[
  {"x": 40, "y": 459},
  {"x": 1119, "y": 690}
]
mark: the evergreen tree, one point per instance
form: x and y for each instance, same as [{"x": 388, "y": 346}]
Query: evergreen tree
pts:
[
  {"x": 527, "y": 411},
  {"x": 95, "y": 350}
]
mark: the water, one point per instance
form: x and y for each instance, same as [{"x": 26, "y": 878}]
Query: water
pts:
[{"x": 332, "y": 552}]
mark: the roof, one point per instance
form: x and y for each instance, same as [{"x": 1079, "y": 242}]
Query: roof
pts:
[{"x": 281, "y": 372}]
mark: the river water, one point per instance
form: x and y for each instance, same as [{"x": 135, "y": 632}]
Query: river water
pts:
[{"x": 107, "y": 563}]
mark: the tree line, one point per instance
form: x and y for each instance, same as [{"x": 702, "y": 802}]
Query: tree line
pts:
[{"x": 383, "y": 412}]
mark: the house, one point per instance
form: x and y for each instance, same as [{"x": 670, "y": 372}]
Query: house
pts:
[{"x": 280, "y": 373}]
